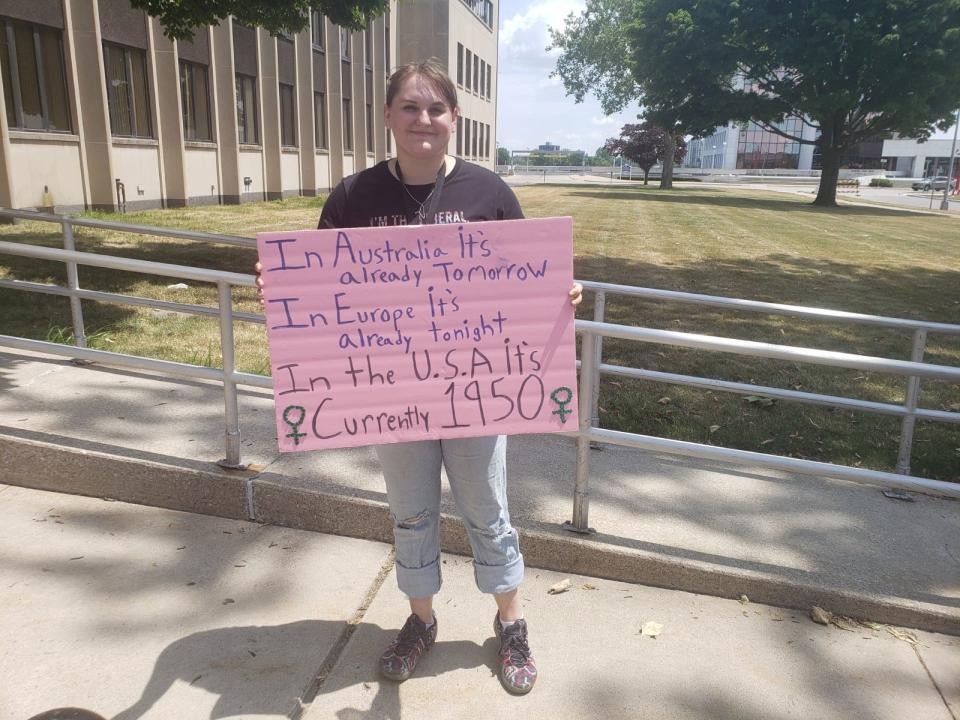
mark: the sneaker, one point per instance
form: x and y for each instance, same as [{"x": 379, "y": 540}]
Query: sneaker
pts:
[
  {"x": 401, "y": 657},
  {"x": 518, "y": 672}
]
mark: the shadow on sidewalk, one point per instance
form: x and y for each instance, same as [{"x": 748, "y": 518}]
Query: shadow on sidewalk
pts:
[{"x": 243, "y": 666}]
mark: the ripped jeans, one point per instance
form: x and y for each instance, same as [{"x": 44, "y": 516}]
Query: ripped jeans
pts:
[{"x": 476, "y": 468}]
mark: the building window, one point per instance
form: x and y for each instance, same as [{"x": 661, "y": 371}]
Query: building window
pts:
[
  {"x": 344, "y": 43},
  {"x": 480, "y": 140},
  {"x": 367, "y": 48},
  {"x": 195, "y": 100},
  {"x": 248, "y": 131},
  {"x": 473, "y": 137},
  {"x": 469, "y": 64},
  {"x": 320, "y": 120},
  {"x": 127, "y": 95},
  {"x": 476, "y": 74},
  {"x": 466, "y": 137},
  {"x": 288, "y": 116},
  {"x": 347, "y": 125},
  {"x": 489, "y": 73},
  {"x": 459, "y": 64},
  {"x": 316, "y": 29},
  {"x": 487, "y": 147},
  {"x": 460, "y": 136},
  {"x": 483, "y": 75},
  {"x": 34, "y": 82}
]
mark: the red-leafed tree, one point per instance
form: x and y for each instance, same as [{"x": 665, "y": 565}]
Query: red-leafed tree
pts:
[{"x": 645, "y": 146}]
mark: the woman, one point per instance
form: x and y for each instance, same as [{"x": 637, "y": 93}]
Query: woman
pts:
[{"x": 425, "y": 185}]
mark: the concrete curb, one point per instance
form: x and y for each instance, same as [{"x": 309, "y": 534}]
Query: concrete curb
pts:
[{"x": 275, "y": 499}]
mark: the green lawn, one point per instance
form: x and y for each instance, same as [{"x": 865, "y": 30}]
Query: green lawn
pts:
[{"x": 762, "y": 246}]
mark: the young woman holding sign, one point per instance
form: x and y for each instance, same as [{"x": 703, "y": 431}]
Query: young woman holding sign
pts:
[{"x": 425, "y": 185}]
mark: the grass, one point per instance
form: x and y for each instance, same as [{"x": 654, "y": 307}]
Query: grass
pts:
[{"x": 756, "y": 245}]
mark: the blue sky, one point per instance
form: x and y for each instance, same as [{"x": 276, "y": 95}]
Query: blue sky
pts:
[{"x": 532, "y": 107}]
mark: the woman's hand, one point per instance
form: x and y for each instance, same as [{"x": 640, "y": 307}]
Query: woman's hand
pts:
[
  {"x": 258, "y": 269},
  {"x": 576, "y": 293}
]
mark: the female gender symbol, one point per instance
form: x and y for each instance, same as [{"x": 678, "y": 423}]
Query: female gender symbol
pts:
[
  {"x": 295, "y": 424},
  {"x": 562, "y": 412}
]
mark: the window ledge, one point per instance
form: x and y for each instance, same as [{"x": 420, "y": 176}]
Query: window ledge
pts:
[
  {"x": 200, "y": 144},
  {"x": 40, "y": 136},
  {"x": 149, "y": 142},
  {"x": 251, "y": 146},
  {"x": 289, "y": 149},
  {"x": 322, "y": 151}
]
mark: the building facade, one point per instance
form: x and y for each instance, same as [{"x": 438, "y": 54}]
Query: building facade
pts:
[{"x": 102, "y": 111}]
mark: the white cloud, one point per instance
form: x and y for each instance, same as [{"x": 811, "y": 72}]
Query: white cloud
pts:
[{"x": 532, "y": 106}]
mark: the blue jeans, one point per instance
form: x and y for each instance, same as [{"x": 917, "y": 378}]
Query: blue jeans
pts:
[{"x": 476, "y": 468}]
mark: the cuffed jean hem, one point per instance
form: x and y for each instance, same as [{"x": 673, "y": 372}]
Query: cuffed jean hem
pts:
[
  {"x": 496, "y": 579},
  {"x": 419, "y": 582}
]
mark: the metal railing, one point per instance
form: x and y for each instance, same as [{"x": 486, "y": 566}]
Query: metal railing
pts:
[{"x": 591, "y": 365}]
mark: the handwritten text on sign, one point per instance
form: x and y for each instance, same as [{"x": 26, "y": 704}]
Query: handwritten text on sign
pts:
[{"x": 381, "y": 335}]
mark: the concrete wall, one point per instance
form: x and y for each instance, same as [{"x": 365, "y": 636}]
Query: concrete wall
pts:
[
  {"x": 203, "y": 185},
  {"x": 137, "y": 165},
  {"x": 251, "y": 166},
  {"x": 39, "y": 159},
  {"x": 290, "y": 172}
]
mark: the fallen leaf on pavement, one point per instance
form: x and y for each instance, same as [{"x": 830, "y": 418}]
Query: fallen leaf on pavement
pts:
[
  {"x": 588, "y": 586},
  {"x": 560, "y": 587},
  {"x": 907, "y": 637},
  {"x": 820, "y": 616},
  {"x": 651, "y": 629}
]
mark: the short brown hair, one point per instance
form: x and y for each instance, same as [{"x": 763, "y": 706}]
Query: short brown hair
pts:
[{"x": 432, "y": 72}]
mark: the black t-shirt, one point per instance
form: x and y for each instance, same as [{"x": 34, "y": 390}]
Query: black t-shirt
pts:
[{"x": 374, "y": 197}]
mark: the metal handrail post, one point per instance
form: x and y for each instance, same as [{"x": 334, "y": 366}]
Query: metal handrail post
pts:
[
  {"x": 913, "y": 395},
  {"x": 599, "y": 308},
  {"x": 231, "y": 411},
  {"x": 73, "y": 284},
  {"x": 581, "y": 492}
]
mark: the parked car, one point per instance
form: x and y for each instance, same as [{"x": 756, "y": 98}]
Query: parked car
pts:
[{"x": 935, "y": 183}]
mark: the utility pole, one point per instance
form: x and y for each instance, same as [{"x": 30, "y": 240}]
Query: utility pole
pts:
[{"x": 945, "y": 204}]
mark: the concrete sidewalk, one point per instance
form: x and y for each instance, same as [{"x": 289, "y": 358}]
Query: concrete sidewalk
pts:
[
  {"x": 136, "y": 612},
  {"x": 781, "y": 539}
]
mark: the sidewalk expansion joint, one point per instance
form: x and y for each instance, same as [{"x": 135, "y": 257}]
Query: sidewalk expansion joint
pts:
[
  {"x": 333, "y": 657},
  {"x": 934, "y": 682}
]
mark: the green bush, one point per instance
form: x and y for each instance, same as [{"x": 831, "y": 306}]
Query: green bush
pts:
[{"x": 881, "y": 182}]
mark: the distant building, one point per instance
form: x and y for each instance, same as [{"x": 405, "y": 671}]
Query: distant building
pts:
[
  {"x": 913, "y": 158},
  {"x": 548, "y": 147},
  {"x": 100, "y": 106}
]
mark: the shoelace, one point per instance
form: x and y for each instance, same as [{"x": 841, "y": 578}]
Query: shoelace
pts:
[
  {"x": 408, "y": 637},
  {"x": 519, "y": 649}
]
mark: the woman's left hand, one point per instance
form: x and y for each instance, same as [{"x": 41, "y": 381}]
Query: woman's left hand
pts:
[{"x": 576, "y": 294}]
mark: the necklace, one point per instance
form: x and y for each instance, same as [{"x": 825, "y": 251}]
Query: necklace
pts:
[{"x": 422, "y": 213}]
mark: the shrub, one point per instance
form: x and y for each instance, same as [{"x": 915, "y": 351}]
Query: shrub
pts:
[{"x": 881, "y": 182}]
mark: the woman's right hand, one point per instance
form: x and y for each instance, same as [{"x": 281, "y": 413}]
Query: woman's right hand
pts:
[{"x": 258, "y": 269}]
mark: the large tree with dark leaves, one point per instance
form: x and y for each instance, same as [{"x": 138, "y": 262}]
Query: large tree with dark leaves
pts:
[
  {"x": 853, "y": 69},
  {"x": 181, "y": 17},
  {"x": 646, "y": 146}
]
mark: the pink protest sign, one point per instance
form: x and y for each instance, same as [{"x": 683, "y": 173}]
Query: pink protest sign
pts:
[{"x": 389, "y": 334}]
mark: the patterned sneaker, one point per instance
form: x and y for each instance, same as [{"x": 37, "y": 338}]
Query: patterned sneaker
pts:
[
  {"x": 518, "y": 672},
  {"x": 401, "y": 657}
]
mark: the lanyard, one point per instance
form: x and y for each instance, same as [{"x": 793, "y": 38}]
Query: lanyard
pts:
[{"x": 433, "y": 198}]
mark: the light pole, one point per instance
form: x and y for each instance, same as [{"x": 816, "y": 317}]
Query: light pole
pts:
[{"x": 945, "y": 204}]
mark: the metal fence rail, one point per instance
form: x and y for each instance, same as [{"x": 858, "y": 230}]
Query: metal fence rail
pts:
[{"x": 591, "y": 365}]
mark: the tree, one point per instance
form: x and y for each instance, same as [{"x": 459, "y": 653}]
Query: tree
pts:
[
  {"x": 645, "y": 146},
  {"x": 601, "y": 157},
  {"x": 181, "y": 17},
  {"x": 503, "y": 156},
  {"x": 597, "y": 57}
]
